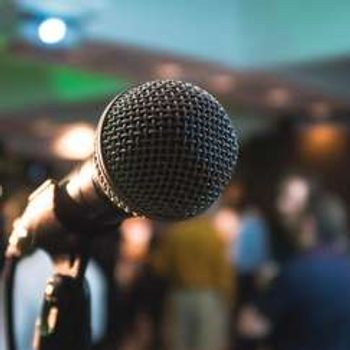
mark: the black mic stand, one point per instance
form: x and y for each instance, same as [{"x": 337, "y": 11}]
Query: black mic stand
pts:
[
  {"x": 62, "y": 223},
  {"x": 65, "y": 320}
]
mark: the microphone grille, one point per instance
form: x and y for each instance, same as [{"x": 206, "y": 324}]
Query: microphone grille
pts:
[{"x": 165, "y": 150}]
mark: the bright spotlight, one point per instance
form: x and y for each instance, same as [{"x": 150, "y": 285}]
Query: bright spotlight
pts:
[
  {"x": 76, "y": 142},
  {"x": 52, "y": 30}
]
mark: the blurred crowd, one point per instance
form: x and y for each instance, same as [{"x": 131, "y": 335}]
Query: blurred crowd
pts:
[{"x": 237, "y": 277}]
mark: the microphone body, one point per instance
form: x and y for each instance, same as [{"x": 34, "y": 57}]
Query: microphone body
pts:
[{"x": 164, "y": 150}]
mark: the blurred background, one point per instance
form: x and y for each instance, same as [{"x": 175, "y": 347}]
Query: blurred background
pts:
[{"x": 282, "y": 71}]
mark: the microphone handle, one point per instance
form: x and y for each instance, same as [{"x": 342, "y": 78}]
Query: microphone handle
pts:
[{"x": 61, "y": 214}]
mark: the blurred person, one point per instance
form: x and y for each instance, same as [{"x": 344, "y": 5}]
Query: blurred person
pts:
[
  {"x": 251, "y": 250},
  {"x": 307, "y": 307},
  {"x": 192, "y": 256},
  {"x": 248, "y": 231},
  {"x": 133, "y": 324},
  {"x": 293, "y": 194},
  {"x": 250, "y": 255},
  {"x": 248, "y": 241},
  {"x": 227, "y": 222},
  {"x": 2, "y": 237}
]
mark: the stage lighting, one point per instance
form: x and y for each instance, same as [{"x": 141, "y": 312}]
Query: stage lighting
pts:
[
  {"x": 320, "y": 110},
  {"x": 52, "y": 30},
  {"x": 169, "y": 70},
  {"x": 75, "y": 142},
  {"x": 278, "y": 97},
  {"x": 323, "y": 141},
  {"x": 223, "y": 83}
]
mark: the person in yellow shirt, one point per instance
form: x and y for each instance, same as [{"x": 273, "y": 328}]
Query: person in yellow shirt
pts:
[{"x": 193, "y": 257}]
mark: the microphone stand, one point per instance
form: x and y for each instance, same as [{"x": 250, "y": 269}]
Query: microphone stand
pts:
[
  {"x": 65, "y": 320},
  {"x": 53, "y": 221}
]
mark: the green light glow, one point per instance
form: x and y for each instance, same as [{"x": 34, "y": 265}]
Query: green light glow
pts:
[{"x": 25, "y": 84}]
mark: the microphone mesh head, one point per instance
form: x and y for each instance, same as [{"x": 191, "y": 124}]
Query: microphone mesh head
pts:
[{"x": 165, "y": 150}]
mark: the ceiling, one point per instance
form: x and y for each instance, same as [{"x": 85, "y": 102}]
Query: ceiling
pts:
[{"x": 241, "y": 34}]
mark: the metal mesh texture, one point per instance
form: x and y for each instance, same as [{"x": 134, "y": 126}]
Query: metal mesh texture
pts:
[{"x": 165, "y": 150}]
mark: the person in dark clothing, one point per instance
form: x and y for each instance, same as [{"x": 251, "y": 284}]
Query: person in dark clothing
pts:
[{"x": 308, "y": 305}]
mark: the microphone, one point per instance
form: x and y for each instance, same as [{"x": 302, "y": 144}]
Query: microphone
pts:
[{"x": 164, "y": 150}]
